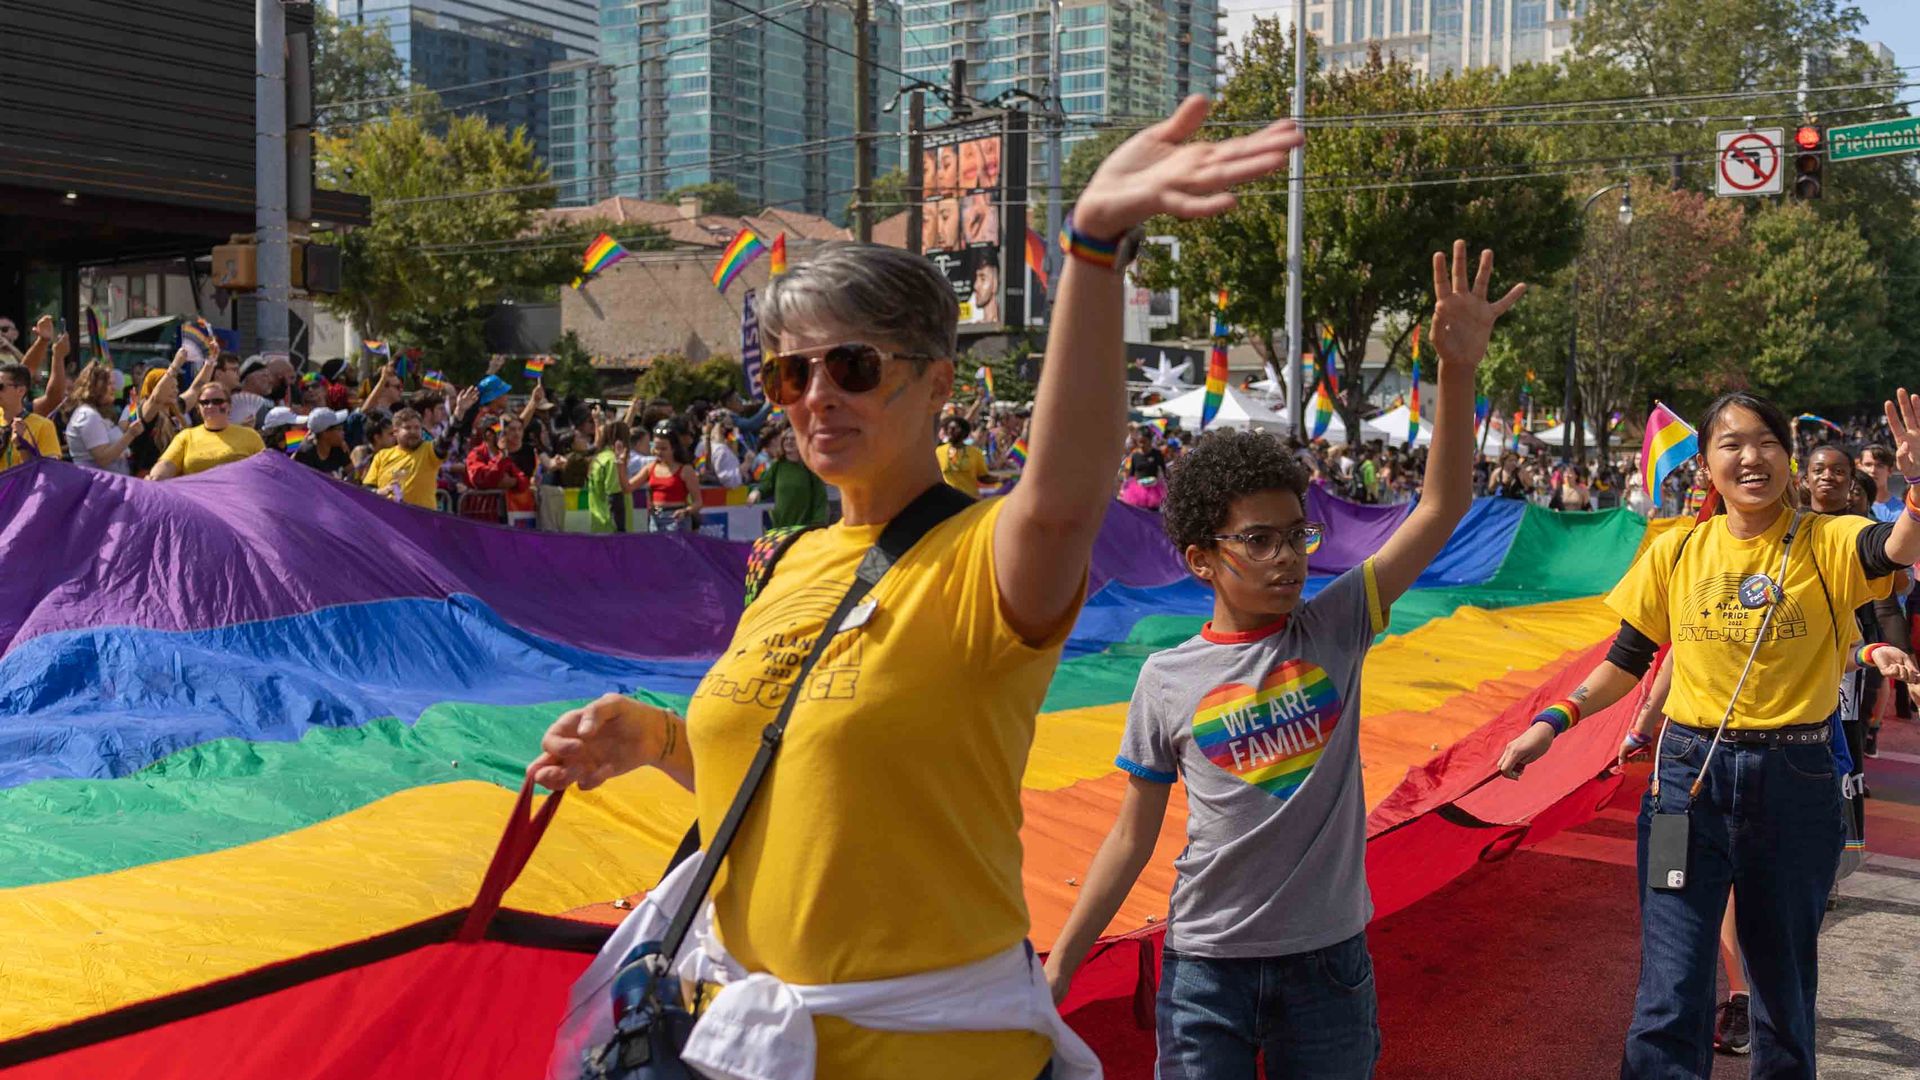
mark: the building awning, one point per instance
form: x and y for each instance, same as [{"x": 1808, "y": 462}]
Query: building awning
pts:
[{"x": 135, "y": 327}]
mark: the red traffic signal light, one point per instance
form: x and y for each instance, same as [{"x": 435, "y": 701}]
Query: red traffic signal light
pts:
[{"x": 1807, "y": 165}]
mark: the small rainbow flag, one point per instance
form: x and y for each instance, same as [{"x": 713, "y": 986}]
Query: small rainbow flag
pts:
[
  {"x": 1037, "y": 258},
  {"x": 602, "y": 253},
  {"x": 296, "y": 438},
  {"x": 201, "y": 334},
  {"x": 434, "y": 380},
  {"x": 376, "y": 348},
  {"x": 1668, "y": 445},
  {"x": 1216, "y": 363},
  {"x": 745, "y": 248},
  {"x": 777, "y": 256},
  {"x": 985, "y": 375},
  {"x": 1322, "y": 410},
  {"x": 1018, "y": 455},
  {"x": 1413, "y": 407},
  {"x": 1519, "y": 425},
  {"x": 537, "y": 366},
  {"x": 99, "y": 339}
]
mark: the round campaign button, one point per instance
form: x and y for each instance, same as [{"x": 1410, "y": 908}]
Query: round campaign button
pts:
[{"x": 1758, "y": 591}]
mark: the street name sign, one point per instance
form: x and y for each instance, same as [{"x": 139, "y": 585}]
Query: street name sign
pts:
[
  {"x": 1876, "y": 139},
  {"x": 1749, "y": 162}
]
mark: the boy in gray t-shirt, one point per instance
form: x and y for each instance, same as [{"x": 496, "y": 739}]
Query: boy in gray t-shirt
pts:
[{"x": 1259, "y": 714}]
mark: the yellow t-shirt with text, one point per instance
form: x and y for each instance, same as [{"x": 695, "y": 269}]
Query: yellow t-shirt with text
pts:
[
  {"x": 418, "y": 471},
  {"x": 886, "y": 840},
  {"x": 40, "y": 432},
  {"x": 963, "y": 467},
  {"x": 197, "y": 449},
  {"x": 1695, "y": 604}
]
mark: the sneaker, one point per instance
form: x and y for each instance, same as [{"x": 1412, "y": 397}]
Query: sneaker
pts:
[
  {"x": 1730, "y": 1026},
  {"x": 1871, "y": 744}
]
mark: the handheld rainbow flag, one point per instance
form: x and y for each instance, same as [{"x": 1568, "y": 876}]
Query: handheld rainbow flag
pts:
[
  {"x": 1037, "y": 258},
  {"x": 985, "y": 375},
  {"x": 602, "y": 253},
  {"x": 1322, "y": 409},
  {"x": 744, "y": 248},
  {"x": 1413, "y": 403},
  {"x": 377, "y": 348},
  {"x": 199, "y": 334},
  {"x": 1019, "y": 452},
  {"x": 99, "y": 339},
  {"x": 537, "y": 366},
  {"x": 1668, "y": 445},
  {"x": 434, "y": 380},
  {"x": 1216, "y": 363},
  {"x": 1519, "y": 422},
  {"x": 777, "y": 256},
  {"x": 296, "y": 438}
]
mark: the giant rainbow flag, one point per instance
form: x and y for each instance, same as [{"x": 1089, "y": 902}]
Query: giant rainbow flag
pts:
[{"x": 241, "y": 815}]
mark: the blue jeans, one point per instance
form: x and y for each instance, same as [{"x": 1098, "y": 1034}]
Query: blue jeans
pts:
[
  {"x": 1768, "y": 823},
  {"x": 1313, "y": 1014}
]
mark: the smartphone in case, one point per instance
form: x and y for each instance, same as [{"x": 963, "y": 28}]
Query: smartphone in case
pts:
[{"x": 1667, "y": 852}]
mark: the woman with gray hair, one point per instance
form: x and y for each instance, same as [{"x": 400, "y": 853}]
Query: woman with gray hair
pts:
[{"x": 884, "y": 845}]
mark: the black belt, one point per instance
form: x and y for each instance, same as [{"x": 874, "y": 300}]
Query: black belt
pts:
[{"x": 1791, "y": 735}]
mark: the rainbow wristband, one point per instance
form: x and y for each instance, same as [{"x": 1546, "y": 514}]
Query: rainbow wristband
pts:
[
  {"x": 1637, "y": 740},
  {"x": 1101, "y": 253},
  {"x": 1560, "y": 716},
  {"x": 1864, "y": 657}
]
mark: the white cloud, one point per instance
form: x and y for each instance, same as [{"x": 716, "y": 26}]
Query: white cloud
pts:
[{"x": 1240, "y": 14}]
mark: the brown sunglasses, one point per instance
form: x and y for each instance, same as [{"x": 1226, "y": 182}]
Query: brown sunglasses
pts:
[{"x": 854, "y": 367}]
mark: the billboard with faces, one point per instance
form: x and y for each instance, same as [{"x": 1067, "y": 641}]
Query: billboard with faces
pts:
[{"x": 973, "y": 196}]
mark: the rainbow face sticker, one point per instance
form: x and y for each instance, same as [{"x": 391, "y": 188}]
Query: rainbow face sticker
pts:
[
  {"x": 1313, "y": 542},
  {"x": 1270, "y": 736}
]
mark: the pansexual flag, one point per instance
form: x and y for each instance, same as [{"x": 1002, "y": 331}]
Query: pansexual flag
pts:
[
  {"x": 1037, "y": 258},
  {"x": 537, "y": 366},
  {"x": 777, "y": 256},
  {"x": 1668, "y": 445},
  {"x": 1216, "y": 364},
  {"x": 745, "y": 248},
  {"x": 602, "y": 253}
]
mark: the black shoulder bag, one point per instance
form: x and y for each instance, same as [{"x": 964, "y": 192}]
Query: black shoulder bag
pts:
[{"x": 652, "y": 1023}]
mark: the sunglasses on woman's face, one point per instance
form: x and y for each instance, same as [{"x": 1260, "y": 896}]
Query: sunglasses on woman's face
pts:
[
  {"x": 213, "y": 403},
  {"x": 854, "y": 367}
]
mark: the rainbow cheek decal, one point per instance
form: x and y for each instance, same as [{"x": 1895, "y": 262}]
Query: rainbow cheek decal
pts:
[
  {"x": 1272, "y": 736},
  {"x": 1313, "y": 542}
]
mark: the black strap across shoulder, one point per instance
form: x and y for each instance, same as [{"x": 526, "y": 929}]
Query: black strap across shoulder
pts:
[{"x": 929, "y": 509}]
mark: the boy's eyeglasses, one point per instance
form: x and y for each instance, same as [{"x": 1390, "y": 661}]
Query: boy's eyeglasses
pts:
[
  {"x": 1264, "y": 544},
  {"x": 854, "y": 367}
]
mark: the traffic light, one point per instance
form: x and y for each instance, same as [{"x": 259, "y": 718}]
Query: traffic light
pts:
[{"x": 1810, "y": 144}]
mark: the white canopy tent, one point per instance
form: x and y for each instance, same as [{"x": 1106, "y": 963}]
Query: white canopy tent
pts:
[
  {"x": 1392, "y": 426},
  {"x": 1238, "y": 410}
]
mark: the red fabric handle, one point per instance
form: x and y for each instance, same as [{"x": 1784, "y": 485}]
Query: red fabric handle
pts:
[{"x": 516, "y": 846}]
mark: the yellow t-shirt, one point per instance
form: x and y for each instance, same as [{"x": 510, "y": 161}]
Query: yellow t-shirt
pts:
[
  {"x": 886, "y": 840},
  {"x": 196, "y": 449},
  {"x": 962, "y": 468},
  {"x": 39, "y": 430},
  {"x": 418, "y": 471},
  {"x": 1696, "y": 605}
]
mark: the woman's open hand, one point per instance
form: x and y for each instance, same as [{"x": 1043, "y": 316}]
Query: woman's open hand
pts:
[
  {"x": 1463, "y": 317},
  {"x": 609, "y": 736},
  {"x": 1159, "y": 171}
]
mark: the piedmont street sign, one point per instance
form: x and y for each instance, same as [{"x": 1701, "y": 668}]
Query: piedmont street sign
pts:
[{"x": 1876, "y": 139}]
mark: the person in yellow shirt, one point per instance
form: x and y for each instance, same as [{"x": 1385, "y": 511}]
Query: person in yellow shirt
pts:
[
  {"x": 962, "y": 464},
  {"x": 409, "y": 470},
  {"x": 26, "y": 433},
  {"x": 212, "y": 443},
  {"x": 885, "y": 844},
  {"x": 1758, "y": 604}
]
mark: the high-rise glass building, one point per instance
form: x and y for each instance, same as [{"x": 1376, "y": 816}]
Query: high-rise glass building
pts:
[
  {"x": 1120, "y": 60},
  {"x": 1439, "y": 36},
  {"x": 755, "y": 93},
  {"x": 515, "y": 49}
]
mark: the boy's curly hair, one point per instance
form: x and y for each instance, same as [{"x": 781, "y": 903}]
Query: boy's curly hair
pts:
[{"x": 1220, "y": 467}]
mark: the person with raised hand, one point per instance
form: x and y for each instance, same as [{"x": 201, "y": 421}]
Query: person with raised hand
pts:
[
  {"x": 1758, "y": 603},
  {"x": 885, "y": 843},
  {"x": 1266, "y": 950}
]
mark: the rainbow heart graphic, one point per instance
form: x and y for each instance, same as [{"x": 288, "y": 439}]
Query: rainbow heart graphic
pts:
[{"x": 1270, "y": 736}]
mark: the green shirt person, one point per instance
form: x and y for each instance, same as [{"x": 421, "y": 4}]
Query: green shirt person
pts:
[{"x": 799, "y": 497}]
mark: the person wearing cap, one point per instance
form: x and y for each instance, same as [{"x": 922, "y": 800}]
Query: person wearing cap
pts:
[
  {"x": 326, "y": 447},
  {"x": 251, "y": 402},
  {"x": 215, "y": 441},
  {"x": 273, "y": 429}
]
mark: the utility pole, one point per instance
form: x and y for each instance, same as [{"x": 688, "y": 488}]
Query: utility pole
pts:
[
  {"x": 916, "y": 178},
  {"x": 1056, "y": 124},
  {"x": 274, "y": 261},
  {"x": 862, "y": 125},
  {"x": 1296, "y": 221}
]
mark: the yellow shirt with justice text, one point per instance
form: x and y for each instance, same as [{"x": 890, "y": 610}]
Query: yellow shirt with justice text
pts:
[
  {"x": 886, "y": 840},
  {"x": 1695, "y": 604},
  {"x": 417, "y": 470}
]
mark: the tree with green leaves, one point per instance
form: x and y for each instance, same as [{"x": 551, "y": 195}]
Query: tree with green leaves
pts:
[
  {"x": 716, "y": 197},
  {"x": 1818, "y": 308},
  {"x": 354, "y": 68},
  {"x": 572, "y": 371},
  {"x": 455, "y": 230},
  {"x": 682, "y": 381},
  {"x": 1381, "y": 199}
]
